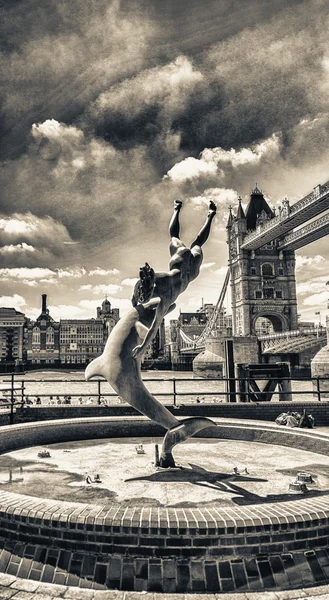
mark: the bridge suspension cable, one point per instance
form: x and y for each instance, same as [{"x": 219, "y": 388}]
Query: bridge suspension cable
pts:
[{"x": 210, "y": 325}]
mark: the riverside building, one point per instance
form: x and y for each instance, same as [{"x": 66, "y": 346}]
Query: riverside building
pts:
[
  {"x": 43, "y": 338},
  {"x": 68, "y": 341},
  {"x": 12, "y": 336},
  {"x": 82, "y": 340}
]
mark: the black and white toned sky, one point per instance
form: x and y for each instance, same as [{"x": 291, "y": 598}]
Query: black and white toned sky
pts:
[{"x": 112, "y": 109}]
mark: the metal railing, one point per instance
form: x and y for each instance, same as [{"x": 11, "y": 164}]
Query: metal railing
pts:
[
  {"x": 15, "y": 398},
  {"x": 315, "y": 331}
]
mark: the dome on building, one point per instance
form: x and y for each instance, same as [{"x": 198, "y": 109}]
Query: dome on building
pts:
[{"x": 106, "y": 306}]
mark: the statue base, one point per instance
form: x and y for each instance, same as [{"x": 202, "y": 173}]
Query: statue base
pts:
[{"x": 167, "y": 461}]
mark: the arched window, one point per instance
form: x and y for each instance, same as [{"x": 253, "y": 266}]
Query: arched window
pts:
[
  {"x": 36, "y": 335},
  {"x": 50, "y": 335},
  {"x": 267, "y": 270}
]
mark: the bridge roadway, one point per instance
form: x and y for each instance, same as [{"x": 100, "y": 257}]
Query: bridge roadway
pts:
[
  {"x": 284, "y": 342},
  {"x": 307, "y": 234},
  {"x": 303, "y": 210}
]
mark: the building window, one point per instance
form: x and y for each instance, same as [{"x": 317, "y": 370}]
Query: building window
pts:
[
  {"x": 49, "y": 336},
  {"x": 253, "y": 271},
  {"x": 267, "y": 270},
  {"x": 258, "y": 294},
  {"x": 280, "y": 271},
  {"x": 279, "y": 294},
  {"x": 36, "y": 336},
  {"x": 268, "y": 293}
]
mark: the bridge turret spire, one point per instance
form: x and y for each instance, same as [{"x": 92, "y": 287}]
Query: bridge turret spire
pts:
[
  {"x": 256, "y": 206},
  {"x": 257, "y": 190},
  {"x": 240, "y": 213},
  {"x": 230, "y": 218}
]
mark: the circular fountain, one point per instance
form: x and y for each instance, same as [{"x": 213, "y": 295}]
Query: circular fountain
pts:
[{"x": 218, "y": 524}]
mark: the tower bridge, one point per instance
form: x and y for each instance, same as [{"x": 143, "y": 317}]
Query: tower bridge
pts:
[
  {"x": 289, "y": 218},
  {"x": 261, "y": 270}
]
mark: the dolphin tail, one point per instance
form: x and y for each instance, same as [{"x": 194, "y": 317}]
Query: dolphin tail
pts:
[
  {"x": 180, "y": 433},
  {"x": 94, "y": 368}
]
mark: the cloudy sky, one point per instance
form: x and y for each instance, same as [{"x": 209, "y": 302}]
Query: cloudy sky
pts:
[{"x": 112, "y": 109}]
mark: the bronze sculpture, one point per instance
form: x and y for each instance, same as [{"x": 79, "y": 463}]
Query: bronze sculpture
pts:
[{"x": 154, "y": 297}]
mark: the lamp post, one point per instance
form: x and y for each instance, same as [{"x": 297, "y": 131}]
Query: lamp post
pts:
[{"x": 319, "y": 323}]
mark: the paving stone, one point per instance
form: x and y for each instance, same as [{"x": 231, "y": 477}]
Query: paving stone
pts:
[
  {"x": 51, "y": 589},
  {"x": 114, "y": 595},
  {"x": 25, "y": 584},
  {"x": 322, "y": 597},
  {"x": 290, "y": 594},
  {"x": 79, "y": 594},
  {"x": 6, "y": 579},
  {"x": 315, "y": 592},
  {"x": 6, "y": 593},
  {"x": 234, "y": 596},
  {"x": 261, "y": 596},
  {"x": 20, "y": 595},
  {"x": 42, "y": 597},
  {"x": 137, "y": 596}
]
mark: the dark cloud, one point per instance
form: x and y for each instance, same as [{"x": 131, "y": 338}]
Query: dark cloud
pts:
[
  {"x": 264, "y": 79},
  {"x": 59, "y": 56},
  {"x": 30, "y": 241}
]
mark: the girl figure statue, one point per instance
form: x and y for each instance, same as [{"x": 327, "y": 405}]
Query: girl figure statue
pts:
[{"x": 154, "y": 297}]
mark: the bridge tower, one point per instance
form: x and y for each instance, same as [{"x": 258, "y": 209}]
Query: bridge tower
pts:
[{"x": 263, "y": 283}]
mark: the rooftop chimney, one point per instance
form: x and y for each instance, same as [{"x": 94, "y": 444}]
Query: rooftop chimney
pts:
[{"x": 44, "y": 303}]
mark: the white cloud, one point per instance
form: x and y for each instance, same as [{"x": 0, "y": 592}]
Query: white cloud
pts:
[
  {"x": 221, "y": 197},
  {"x": 129, "y": 281},
  {"x": 206, "y": 266},
  {"x": 214, "y": 160},
  {"x": 221, "y": 272},
  {"x": 302, "y": 261},
  {"x": 13, "y": 301},
  {"x": 26, "y": 273},
  {"x": 103, "y": 272},
  {"x": 101, "y": 288},
  {"x": 317, "y": 300},
  {"x": 52, "y": 129},
  {"x": 316, "y": 284},
  {"x": 15, "y": 225},
  {"x": 49, "y": 281},
  {"x": 66, "y": 311},
  {"x": 74, "y": 273},
  {"x": 191, "y": 168},
  {"x": 31, "y": 282},
  {"x": 17, "y": 249},
  {"x": 28, "y": 229},
  {"x": 245, "y": 156}
]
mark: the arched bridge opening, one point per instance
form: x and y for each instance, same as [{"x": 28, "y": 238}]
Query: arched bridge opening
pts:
[{"x": 268, "y": 323}]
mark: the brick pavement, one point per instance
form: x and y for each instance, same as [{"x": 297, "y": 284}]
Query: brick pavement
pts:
[{"x": 23, "y": 589}]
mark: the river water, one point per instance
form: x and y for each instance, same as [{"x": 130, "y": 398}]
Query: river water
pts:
[{"x": 52, "y": 386}]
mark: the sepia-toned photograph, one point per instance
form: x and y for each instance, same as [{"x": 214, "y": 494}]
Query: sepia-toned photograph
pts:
[{"x": 164, "y": 300}]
